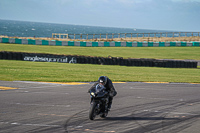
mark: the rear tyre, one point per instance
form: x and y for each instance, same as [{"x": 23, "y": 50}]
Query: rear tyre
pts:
[{"x": 92, "y": 112}]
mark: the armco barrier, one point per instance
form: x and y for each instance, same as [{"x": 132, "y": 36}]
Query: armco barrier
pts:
[
  {"x": 37, "y": 57},
  {"x": 98, "y": 44}
]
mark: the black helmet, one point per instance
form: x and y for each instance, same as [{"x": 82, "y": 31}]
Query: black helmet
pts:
[{"x": 102, "y": 80}]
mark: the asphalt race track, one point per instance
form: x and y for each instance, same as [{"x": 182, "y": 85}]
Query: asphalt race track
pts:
[{"x": 35, "y": 107}]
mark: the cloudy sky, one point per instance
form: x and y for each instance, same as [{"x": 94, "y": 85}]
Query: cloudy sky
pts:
[{"x": 181, "y": 15}]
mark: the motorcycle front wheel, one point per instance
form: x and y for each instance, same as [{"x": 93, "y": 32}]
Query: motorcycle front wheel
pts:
[
  {"x": 104, "y": 115},
  {"x": 92, "y": 112}
]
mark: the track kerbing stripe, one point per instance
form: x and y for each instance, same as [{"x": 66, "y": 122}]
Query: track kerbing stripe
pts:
[{"x": 7, "y": 88}]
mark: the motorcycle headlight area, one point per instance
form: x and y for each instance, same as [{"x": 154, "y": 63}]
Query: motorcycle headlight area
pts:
[{"x": 92, "y": 93}]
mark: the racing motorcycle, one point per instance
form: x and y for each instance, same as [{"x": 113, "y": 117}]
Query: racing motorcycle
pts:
[{"x": 99, "y": 102}]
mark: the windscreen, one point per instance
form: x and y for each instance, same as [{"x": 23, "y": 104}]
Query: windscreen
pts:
[{"x": 99, "y": 87}]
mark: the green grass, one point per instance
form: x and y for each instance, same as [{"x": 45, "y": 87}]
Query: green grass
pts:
[
  {"x": 62, "y": 72},
  {"x": 125, "y": 52}
]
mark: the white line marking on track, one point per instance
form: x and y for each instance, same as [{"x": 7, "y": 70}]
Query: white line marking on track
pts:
[
  {"x": 150, "y": 89},
  {"x": 43, "y": 92},
  {"x": 178, "y": 113},
  {"x": 38, "y": 87},
  {"x": 182, "y": 113},
  {"x": 21, "y": 124},
  {"x": 15, "y": 123},
  {"x": 44, "y": 105},
  {"x": 158, "y": 98}
]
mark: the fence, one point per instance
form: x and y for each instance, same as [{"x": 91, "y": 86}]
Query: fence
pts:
[
  {"x": 99, "y": 44},
  {"x": 123, "y": 35}
]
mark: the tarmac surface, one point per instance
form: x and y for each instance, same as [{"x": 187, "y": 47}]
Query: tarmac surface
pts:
[{"x": 37, "y": 107}]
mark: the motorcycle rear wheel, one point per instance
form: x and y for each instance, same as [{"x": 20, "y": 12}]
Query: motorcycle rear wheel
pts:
[{"x": 92, "y": 112}]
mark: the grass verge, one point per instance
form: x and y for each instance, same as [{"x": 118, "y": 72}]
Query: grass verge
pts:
[{"x": 62, "y": 72}]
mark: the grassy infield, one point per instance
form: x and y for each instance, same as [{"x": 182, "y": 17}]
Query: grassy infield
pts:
[{"x": 61, "y": 72}]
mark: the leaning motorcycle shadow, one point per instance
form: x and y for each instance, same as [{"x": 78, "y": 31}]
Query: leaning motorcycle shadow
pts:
[{"x": 128, "y": 118}]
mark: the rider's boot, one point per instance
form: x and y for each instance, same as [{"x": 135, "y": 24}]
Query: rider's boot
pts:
[{"x": 110, "y": 103}]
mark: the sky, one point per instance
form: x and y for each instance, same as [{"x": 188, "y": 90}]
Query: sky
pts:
[{"x": 176, "y": 15}]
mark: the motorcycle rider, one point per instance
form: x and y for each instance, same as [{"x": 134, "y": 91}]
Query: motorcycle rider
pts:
[{"x": 107, "y": 83}]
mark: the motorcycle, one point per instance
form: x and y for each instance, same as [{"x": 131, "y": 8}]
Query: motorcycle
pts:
[{"x": 99, "y": 102}]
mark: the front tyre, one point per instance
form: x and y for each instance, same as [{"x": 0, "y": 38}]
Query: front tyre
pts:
[
  {"x": 104, "y": 114},
  {"x": 92, "y": 112}
]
